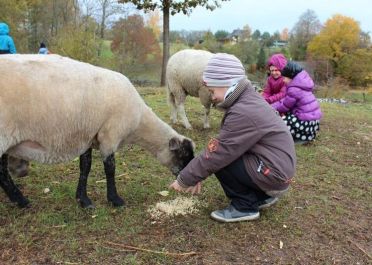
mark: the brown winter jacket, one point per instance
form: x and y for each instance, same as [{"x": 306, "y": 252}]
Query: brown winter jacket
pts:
[{"x": 249, "y": 128}]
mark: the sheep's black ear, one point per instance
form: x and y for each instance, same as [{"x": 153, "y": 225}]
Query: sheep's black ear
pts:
[
  {"x": 174, "y": 144},
  {"x": 189, "y": 144}
]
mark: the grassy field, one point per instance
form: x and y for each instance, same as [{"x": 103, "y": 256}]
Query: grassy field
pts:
[{"x": 325, "y": 218}]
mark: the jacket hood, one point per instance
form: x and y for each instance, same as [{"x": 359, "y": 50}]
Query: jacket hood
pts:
[
  {"x": 4, "y": 29},
  {"x": 302, "y": 80},
  {"x": 278, "y": 60}
]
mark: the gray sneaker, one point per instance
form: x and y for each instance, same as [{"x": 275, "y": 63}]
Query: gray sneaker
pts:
[
  {"x": 268, "y": 202},
  {"x": 230, "y": 214}
]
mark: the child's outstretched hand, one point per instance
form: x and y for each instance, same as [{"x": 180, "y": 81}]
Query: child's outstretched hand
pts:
[{"x": 192, "y": 189}]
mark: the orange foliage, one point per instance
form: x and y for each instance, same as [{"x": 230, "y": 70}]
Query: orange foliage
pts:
[
  {"x": 284, "y": 34},
  {"x": 154, "y": 22},
  {"x": 132, "y": 39}
]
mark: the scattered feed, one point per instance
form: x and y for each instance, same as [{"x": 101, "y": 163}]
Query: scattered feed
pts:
[{"x": 179, "y": 206}]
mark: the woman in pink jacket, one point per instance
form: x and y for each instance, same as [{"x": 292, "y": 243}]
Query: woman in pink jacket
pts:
[{"x": 275, "y": 88}]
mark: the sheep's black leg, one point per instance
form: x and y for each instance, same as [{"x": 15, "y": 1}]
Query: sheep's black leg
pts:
[
  {"x": 112, "y": 195},
  {"x": 81, "y": 191},
  {"x": 6, "y": 182}
]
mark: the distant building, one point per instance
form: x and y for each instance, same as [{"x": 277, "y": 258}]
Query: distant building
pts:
[
  {"x": 234, "y": 37},
  {"x": 280, "y": 44}
]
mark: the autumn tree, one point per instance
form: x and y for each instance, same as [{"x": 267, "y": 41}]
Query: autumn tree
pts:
[
  {"x": 154, "y": 22},
  {"x": 171, "y": 7},
  {"x": 37, "y": 20},
  {"x": 49, "y": 17},
  {"x": 133, "y": 43},
  {"x": 337, "y": 44},
  {"x": 356, "y": 67},
  {"x": 340, "y": 36},
  {"x": 46, "y": 19},
  {"x": 303, "y": 31},
  {"x": 79, "y": 41},
  {"x": 284, "y": 34},
  {"x": 13, "y": 13},
  {"x": 66, "y": 26}
]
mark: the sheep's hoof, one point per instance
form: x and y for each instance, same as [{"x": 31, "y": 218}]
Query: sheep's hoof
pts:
[
  {"x": 90, "y": 206},
  {"x": 116, "y": 201},
  {"x": 23, "y": 202},
  {"x": 86, "y": 203}
]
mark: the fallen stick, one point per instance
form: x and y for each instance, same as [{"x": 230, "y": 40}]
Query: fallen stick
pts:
[
  {"x": 121, "y": 175},
  {"x": 361, "y": 249},
  {"x": 151, "y": 251},
  {"x": 118, "y": 249}
]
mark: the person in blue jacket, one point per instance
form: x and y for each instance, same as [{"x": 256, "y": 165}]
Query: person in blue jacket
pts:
[
  {"x": 6, "y": 41},
  {"x": 43, "y": 49}
]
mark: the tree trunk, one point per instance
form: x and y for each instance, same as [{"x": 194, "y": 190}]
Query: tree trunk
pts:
[
  {"x": 103, "y": 20},
  {"x": 165, "y": 41}
]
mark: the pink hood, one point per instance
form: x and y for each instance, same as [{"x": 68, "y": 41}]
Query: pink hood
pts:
[{"x": 278, "y": 60}]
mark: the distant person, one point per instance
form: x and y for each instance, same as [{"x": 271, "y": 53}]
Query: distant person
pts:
[
  {"x": 43, "y": 49},
  {"x": 301, "y": 108},
  {"x": 6, "y": 41},
  {"x": 253, "y": 156},
  {"x": 275, "y": 88}
]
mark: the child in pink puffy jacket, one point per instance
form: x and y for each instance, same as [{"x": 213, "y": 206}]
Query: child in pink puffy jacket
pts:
[{"x": 275, "y": 88}]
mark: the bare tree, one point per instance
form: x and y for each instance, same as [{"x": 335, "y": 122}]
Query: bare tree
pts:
[
  {"x": 88, "y": 8},
  {"x": 304, "y": 30},
  {"x": 107, "y": 9}
]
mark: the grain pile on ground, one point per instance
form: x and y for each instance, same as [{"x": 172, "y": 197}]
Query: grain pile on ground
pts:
[{"x": 179, "y": 206}]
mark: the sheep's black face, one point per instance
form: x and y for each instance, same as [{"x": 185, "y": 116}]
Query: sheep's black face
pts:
[{"x": 183, "y": 153}]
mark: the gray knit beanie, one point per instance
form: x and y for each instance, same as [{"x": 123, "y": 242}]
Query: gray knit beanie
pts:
[{"x": 223, "y": 70}]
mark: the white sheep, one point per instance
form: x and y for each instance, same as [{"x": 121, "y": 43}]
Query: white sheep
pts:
[
  {"x": 54, "y": 109},
  {"x": 184, "y": 77}
]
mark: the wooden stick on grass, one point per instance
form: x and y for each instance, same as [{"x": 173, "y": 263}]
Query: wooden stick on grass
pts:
[
  {"x": 149, "y": 250},
  {"x": 361, "y": 249}
]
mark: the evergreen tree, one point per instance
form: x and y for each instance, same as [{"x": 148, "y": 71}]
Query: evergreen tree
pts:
[{"x": 261, "y": 60}]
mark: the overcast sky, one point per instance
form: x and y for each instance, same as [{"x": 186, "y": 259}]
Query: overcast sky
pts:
[{"x": 271, "y": 15}]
